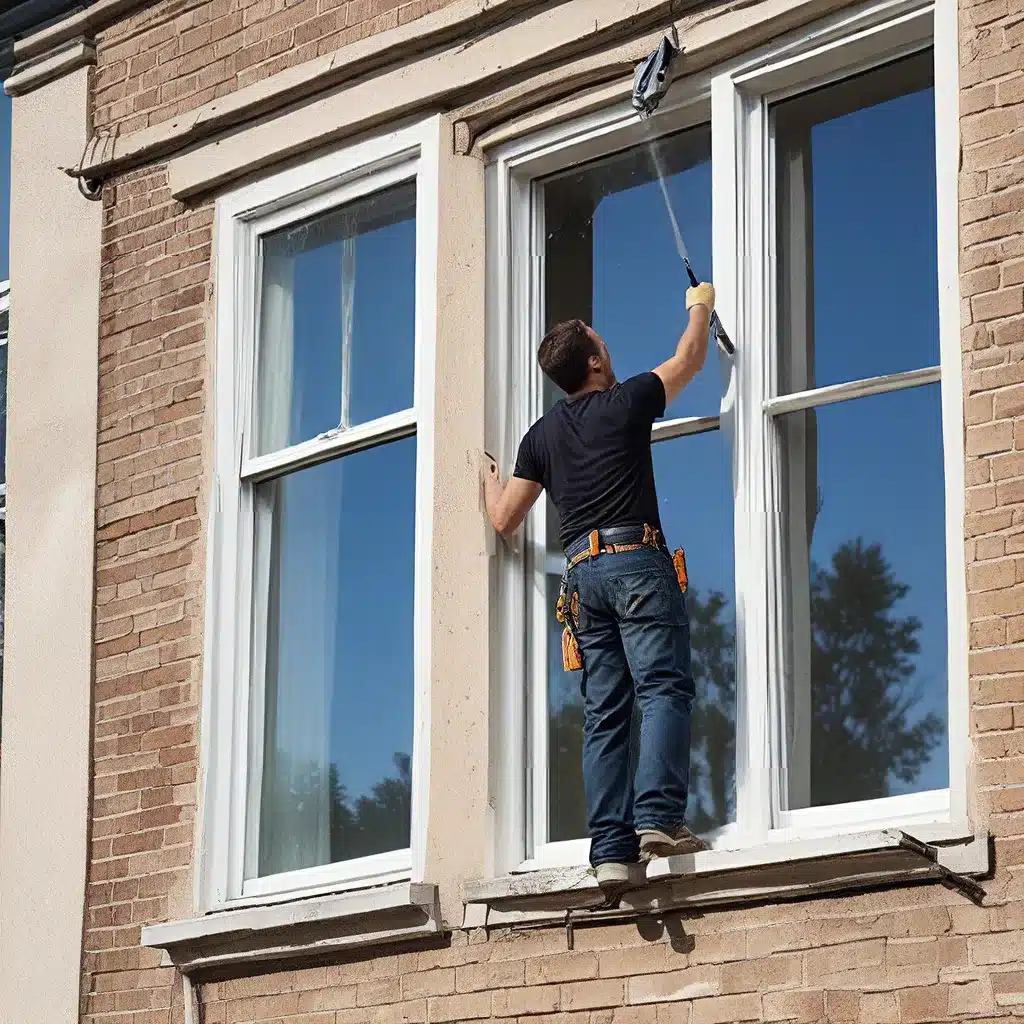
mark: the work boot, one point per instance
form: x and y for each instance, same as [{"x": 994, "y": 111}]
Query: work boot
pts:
[
  {"x": 656, "y": 843},
  {"x": 614, "y": 879}
]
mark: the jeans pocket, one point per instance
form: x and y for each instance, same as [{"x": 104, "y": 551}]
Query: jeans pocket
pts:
[{"x": 651, "y": 595}]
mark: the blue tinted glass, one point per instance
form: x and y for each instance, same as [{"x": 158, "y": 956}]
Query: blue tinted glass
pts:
[
  {"x": 336, "y": 613},
  {"x": 611, "y": 257},
  {"x": 857, "y": 228},
  {"x": 865, "y": 541},
  {"x": 337, "y": 319}
]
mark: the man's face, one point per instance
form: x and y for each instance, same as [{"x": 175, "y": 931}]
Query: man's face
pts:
[{"x": 605, "y": 357}]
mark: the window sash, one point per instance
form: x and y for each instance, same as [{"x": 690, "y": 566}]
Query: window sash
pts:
[
  {"x": 743, "y": 209},
  {"x": 232, "y": 696}
]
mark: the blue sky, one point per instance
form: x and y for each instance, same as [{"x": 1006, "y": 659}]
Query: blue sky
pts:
[{"x": 880, "y": 471}]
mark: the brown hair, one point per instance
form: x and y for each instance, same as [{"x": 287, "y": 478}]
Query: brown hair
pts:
[{"x": 564, "y": 354}]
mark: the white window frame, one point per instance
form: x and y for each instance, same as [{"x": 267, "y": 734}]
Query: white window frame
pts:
[
  {"x": 232, "y": 701},
  {"x": 735, "y": 99}
]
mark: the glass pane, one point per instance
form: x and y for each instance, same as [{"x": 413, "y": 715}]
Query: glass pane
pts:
[
  {"x": 865, "y": 585},
  {"x": 703, "y": 526},
  {"x": 333, "y": 586},
  {"x": 700, "y": 520},
  {"x": 337, "y": 319},
  {"x": 611, "y": 257},
  {"x": 858, "y": 285}
]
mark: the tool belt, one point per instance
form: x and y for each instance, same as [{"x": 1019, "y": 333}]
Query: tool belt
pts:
[{"x": 593, "y": 544}]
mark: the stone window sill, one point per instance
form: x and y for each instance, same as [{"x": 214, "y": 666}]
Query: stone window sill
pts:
[
  {"x": 720, "y": 877},
  {"x": 304, "y": 927}
]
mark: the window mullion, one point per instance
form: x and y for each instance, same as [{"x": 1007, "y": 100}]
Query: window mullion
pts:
[
  {"x": 844, "y": 392},
  {"x": 738, "y": 226},
  {"x": 536, "y": 561},
  {"x": 393, "y": 427}
]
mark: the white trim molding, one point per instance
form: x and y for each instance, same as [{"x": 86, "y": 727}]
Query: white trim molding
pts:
[
  {"x": 771, "y": 820},
  {"x": 232, "y": 703},
  {"x": 326, "y": 924}
]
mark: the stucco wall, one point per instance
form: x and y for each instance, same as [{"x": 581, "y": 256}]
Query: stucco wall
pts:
[{"x": 51, "y": 479}]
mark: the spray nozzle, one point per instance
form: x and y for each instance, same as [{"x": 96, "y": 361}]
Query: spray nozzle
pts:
[{"x": 651, "y": 79}]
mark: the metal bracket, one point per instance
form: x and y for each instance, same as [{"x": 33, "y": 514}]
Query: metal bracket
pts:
[{"x": 967, "y": 887}]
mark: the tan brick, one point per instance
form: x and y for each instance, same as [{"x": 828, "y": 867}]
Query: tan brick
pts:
[
  {"x": 562, "y": 967},
  {"x": 647, "y": 959},
  {"x": 780, "y": 971},
  {"x": 852, "y": 965},
  {"x": 412, "y": 1011},
  {"x": 526, "y": 1001},
  {"x": 373, "y": 993},
  {"x": 1002, "y": 948},
  {"x": 970, "y": 997},
  {"x": 990, "y": 438},
  {"x": 722, "y": 1009},
  {"x": 1009, "y": 402},
  {"x": 468, "y": 1006},
  {"x": 879, "y": 1008},
  {"x": 719, "y": 948},
  {"x": 800, "y": 1006},
  {"x": 1008, "y": 989},
  {"x": 688, "y": 983},
  {"x": 477, "y": 977},
  {"x": 590, "y": 995},
  {"x": 842, "y": 1006},
  {"x": 430, "y": 983},
  {"x": 924, "y": 1004},
  {"x": 988, "y": 633}
]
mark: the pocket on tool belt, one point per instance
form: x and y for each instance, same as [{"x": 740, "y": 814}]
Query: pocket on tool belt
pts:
[
  {"x": 567, "y": 612},
  {"x": 679, "y": 563}
]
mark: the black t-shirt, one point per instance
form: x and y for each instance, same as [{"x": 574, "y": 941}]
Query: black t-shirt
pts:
[{"x": 592, "y": 454}]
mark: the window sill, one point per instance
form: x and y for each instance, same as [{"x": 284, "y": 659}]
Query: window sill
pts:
[
  {"x": 774, "y": 871},
  {"x": 322, "y": 924}
]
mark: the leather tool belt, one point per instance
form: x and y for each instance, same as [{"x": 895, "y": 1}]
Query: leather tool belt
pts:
[{"x": 592, "y": 545}]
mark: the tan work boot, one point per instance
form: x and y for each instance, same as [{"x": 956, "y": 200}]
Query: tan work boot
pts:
[{"x": 655, "y": 843}]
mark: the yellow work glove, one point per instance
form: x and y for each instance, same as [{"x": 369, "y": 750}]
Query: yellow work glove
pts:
[{"x": 703, "y": 295}]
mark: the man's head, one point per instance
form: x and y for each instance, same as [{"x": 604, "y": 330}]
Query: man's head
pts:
[{"x": 575, "y": 357}]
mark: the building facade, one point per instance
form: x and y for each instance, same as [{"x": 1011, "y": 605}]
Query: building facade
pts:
[{"x": 285, "y": 733}]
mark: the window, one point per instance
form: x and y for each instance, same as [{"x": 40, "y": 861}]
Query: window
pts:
[
  {"x": 596, "y": 218},
  {"x": 322, "y": 546},
  {"x": 821, "y": 510}
]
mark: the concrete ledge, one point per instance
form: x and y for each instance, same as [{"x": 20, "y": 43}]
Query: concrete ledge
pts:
[
  {"x": 721, "y": 877},
  {"x": 78, "y": 53},
  {"x": 463, "y": 20},
  {"x": 707, "y": 37},
  {"x": 321, "y": 924},
  {"x": 82, "y": 23}
]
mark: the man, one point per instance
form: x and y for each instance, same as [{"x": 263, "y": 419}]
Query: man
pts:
[{"x": 592, "y": 453}]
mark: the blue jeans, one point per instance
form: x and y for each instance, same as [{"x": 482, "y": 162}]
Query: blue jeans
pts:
[{"x": 634, "y": 636}]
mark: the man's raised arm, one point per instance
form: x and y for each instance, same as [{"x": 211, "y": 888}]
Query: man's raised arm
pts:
[{"x": 677, "y": 372}]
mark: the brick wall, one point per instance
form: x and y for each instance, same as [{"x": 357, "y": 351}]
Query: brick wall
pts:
[
  {"x": 910, "y": 954},
  {"x": 918, "y": 954},
  {"x": 179, "y": 54},
  {"x": 149, "y": 586}
]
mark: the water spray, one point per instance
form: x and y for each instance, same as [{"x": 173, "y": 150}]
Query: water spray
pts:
[{"x": 650, "y": 83}]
